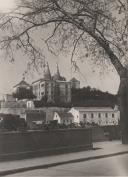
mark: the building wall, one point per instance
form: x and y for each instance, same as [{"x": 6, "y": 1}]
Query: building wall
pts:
[
  {"x": 53, "y": 90},
  {"x": 57, "y": 117},
  {"x": 99, "y": 117},
  {"x": 14, "y": 104},
  {"x": 64, "y": 91},
  {"x": 63, "y": 120},
  {"x": 49, "y": 111},
  {"x": 50, "y": 91},
  {"x": 22, "y": 110},
  {"x": 75, "y": 85},
  {"x": 68, "y": 92},
  {"x": 30, "y": 104},
  {"x": 76, "y": 115},
  {"x": 36, "y": 89},
  {"x": 8, "y": 97},
  {"x": 16, "y": 111}
]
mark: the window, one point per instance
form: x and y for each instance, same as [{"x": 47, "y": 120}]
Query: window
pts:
[
  {"x": 106, "y": 114},
  {"x": 84, "y": 116},
  {"x": 42, "y": 93},
  {"x": 112, "y": 115},
  {"x": 92, "y": 115},
  {"x": 99, "y": 115},
  {"x": 42, "y": 85}
]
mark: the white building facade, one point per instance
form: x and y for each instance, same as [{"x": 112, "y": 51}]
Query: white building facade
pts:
[
  {"x": 63, "y": 117},
  {"x": 101, "y": 116}
]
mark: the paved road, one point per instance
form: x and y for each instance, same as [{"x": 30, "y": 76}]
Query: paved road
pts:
[{"x": 112, "y": 166}]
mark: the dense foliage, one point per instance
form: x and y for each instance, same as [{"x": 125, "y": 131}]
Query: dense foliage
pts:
[
  {"x": 11, "y": 122},
  {"x": 88, "y": 96}
]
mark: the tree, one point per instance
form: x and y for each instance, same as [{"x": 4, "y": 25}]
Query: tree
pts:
[
  {"x": 98, "y": 28},
  {"x": 88, "y": 96},
  {"x": 12, "y": 122}
]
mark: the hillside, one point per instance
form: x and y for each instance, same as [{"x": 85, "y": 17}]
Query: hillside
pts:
[{"x": 88, "y": 96}]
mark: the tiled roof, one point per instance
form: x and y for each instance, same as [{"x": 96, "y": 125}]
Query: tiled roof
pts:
[
  {"x": 64, "y": 114},
  {"x": 57, "y": 75},
  {"x": 74, "y": 80},
  {"x": 38, "y": 80},
  {"x": 22, "y": 83},
  {"x": 94, "y": 109},
  {"x": 47, "y": 74}
]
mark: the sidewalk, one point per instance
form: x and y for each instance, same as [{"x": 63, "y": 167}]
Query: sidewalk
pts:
[{"x": 103, "y": 150}]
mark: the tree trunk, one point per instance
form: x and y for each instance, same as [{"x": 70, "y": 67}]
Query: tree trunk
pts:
[
  {"x": 123, "y": 107},
  {"x": 122, "y": 93},
  {"x": 123, "y": 89}
]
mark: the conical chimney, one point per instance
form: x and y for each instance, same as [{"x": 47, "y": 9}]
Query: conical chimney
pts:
[
  {"x": 47, "y": 74},
  {"x": 57, "y": 72}
]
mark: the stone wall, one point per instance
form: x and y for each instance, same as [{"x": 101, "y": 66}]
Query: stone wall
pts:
[{"x": 43, "y": 142}]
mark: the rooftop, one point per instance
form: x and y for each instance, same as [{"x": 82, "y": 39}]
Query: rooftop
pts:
[
  {"x": 74, "y": 80},
  {"x": 94, "y": 108},
  {"x": 22, "y": 83},
  {"x": 64, "y": 114}
]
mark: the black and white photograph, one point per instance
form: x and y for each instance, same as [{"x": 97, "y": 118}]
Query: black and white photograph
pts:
[{"x": 63, "y": 88}]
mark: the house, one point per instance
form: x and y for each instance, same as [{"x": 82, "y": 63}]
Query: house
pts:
[
  {"x": 101, "y": 116},
  {"x": 23, "y": 91},
  {"x": 22, "y": 84},
  {"x": 63, "y": 117}
]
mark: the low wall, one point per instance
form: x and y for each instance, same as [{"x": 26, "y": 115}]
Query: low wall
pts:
[
  {"x": 105, "y": 133},
  {"x": 98, "y": 134},
  {"x": 34, "y": 143}
]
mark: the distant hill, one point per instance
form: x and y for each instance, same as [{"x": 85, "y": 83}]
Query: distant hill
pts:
[{"x": 88, "y": 96}]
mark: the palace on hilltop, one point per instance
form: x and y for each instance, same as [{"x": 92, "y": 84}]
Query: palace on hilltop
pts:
[
  {"x": 55, "y": 89},
  {"x": 50, "y": 89}
]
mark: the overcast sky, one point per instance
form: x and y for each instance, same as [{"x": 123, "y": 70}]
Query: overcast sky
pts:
[{"x": 11, "y": 74}]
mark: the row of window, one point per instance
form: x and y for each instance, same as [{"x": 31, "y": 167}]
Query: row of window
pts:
[
  {"x": 47, "y": 84},
  {"x": 43, "y": 93},
  {"x": 99, "y": 115},
  {"x": 106, "y": 122},
  {"x": 52, "y": 85},
  {"x": 52, "y": 93}
]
